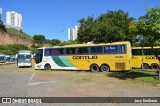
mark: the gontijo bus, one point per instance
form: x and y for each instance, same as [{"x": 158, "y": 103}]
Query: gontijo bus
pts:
[
  {"x": 149, "y": 57},
  {"x": 95, "y": 57}
]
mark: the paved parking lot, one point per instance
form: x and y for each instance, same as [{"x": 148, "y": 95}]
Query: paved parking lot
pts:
[{"x": 27, "y": 82}]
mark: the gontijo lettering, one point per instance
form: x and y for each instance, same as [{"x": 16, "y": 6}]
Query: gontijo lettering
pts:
[{"x": 84, "y": 57}]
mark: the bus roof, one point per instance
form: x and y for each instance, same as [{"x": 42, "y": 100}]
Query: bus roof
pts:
[
  {"x": 24, "y": 51},
  {"x": 86, "y": 44},
  {"x": 2, "y": 54},
  {"x": 145, "y": 47}
]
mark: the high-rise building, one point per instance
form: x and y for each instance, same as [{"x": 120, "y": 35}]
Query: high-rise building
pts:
[
  {"x": 70, "y": 33},
  {"x": 0, "y": 13},
  {"x": 13, "y": 19},
  {"x": 76, "y": 32}
]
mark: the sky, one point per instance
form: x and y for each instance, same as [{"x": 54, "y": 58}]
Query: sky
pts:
[{"x": 52, "y": 18}]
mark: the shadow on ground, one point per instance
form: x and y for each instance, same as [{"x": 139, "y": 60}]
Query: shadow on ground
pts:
[{"x": 131, "y": 75}]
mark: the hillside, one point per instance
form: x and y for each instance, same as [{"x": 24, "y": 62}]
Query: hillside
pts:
[
  {"x": 15, "y": 32},
  {"x": 12, "y": 36}
]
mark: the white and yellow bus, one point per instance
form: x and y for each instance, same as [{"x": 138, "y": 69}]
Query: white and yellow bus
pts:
[
  {"x": 148, "y": 59},
  {"x": 95, "y": 57}
]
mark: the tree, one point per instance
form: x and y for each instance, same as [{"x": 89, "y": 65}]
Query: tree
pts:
[
  {"x": 73, "y": 42},
  {"x": 2, "y": 27},
  {"x": 40, "y": 39},
  {"x": 54, "y": 42},
  {"x": 110, "y": 27},
  {"x": 148, "y": 26},
  {"x": 12, "y": 49},
  {"x": 85, "y": 33}
]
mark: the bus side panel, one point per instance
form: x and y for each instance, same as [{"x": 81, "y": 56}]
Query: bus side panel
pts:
[
  {"x": 149, "y": 59},
  {"x": 116, "y": 62},
  {"x": 136, "y": 61}
]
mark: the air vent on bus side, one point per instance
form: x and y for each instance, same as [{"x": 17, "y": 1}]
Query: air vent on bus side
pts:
[{"x": 120, "y": 65}]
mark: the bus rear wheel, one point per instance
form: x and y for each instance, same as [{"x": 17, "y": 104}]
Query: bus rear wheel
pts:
[
  {"x": 94, "y": 68},
  {"x": 145, "y": 66},
  {"x": 47, "y": 67},
  {"x": 154, "y": 66},
  {"x": 105, "y": 68}
]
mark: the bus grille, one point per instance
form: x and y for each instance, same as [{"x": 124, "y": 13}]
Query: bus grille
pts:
[{"x": 120, "y": 65}]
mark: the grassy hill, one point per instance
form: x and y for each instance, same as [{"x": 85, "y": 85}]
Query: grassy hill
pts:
[{"x": 14, "y": 32}]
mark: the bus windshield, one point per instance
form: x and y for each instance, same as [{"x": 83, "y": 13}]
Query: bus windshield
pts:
[
  {"x": 24, "y": 57},
  {"x": 21, "y": 57},
  {"x": 39, "y": 55},
  {"x": 8, "y": 59},
  {"x": 2, "y": 58},
  {"x": 28, "y": 56}
]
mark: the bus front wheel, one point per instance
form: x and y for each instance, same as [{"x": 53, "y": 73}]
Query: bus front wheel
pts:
[
  {"x": 47, "y": 67},
  {"x": 105, "y": 68},
  {"x": 94, "y": 68}
]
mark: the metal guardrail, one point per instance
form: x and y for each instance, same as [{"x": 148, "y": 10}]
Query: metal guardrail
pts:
[{"x": 151, "y": 70}]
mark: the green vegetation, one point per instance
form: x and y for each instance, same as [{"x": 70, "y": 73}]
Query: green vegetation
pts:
[
  {"x": 40, "y": 39},
  {"x": 118, "y": 26},
  {"x": 12, "y": 49},
  {"x": 134, "y": 74},
  {"x": 148, "y": 80},
  {"x": 2, "y": 27},
  {"x": 14, "y": 32},
  {"x": 145, "y": 44},
  {"x": 110, "y": 27},
  {"x": 148, "y": 26},
  {"x": 145, "y": 76}
]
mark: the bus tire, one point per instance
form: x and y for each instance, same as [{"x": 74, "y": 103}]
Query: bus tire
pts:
[
  {"x": 105, "y": 68},
  {"x": 145, "y": 66},
  {"x": 154, "y": 66},
  {"x": 47, "y": 67},
  {"x": 94, "y": 68}
]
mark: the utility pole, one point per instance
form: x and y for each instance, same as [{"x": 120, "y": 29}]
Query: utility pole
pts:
[{"x": 142, "y": 54}]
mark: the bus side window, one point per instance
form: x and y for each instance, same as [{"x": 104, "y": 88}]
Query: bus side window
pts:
[
  {"x": 93, "y": 50},
  {"x": 111, "y": 49},
  {"x": 155, "y": 51},
  {"x": 61, "y": 51},
  {"x": 77, "y": 51},
  {"x": 122, "y": 49},
  {"x": 48, "y": 52},
  {"x": 139, "y": 52},
  {"x": 86, "y": 50},
  {"x": 147, "y": 52},
  {"x": 158, "y": 51},
  {"x": 106, "y": 49},
  {"x": 99, "y": 49},
  {"x": 71, "y": 50},
  {"x": 56, "y": 52}
]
